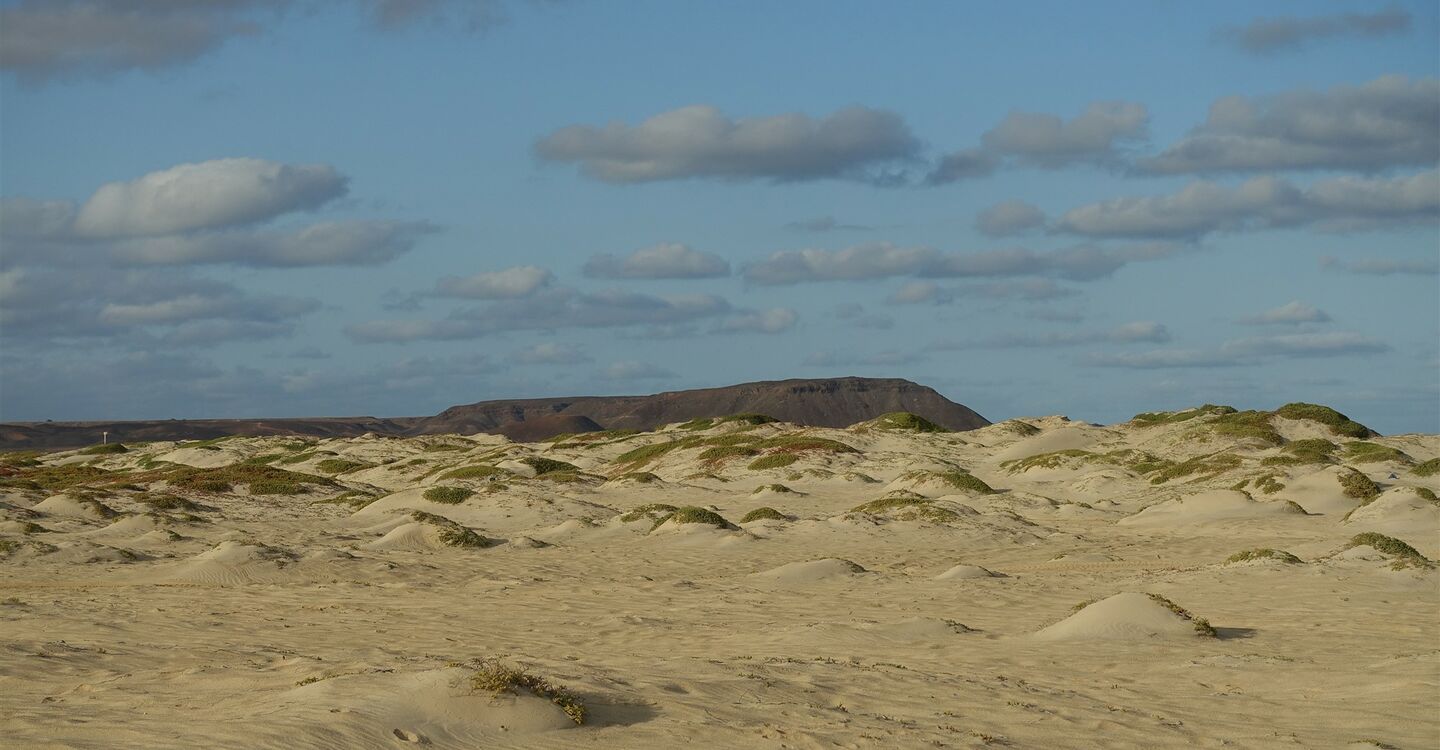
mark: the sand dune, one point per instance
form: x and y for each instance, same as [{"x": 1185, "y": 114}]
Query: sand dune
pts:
[{"x": 725, "y": 584}]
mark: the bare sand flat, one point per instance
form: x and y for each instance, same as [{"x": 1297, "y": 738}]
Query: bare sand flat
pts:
[{"x": 1195, "y": 579}]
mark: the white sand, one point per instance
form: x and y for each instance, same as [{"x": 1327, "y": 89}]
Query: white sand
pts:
[{"x": 279, "y": 621}]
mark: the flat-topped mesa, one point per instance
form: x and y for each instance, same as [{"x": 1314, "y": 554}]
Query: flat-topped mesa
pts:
[
  {"x": 832, "y": 402},
  {"x": 828, "y": 402}
]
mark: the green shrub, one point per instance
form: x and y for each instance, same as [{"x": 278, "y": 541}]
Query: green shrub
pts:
[
  {"x": 170, "y": 502},
  {"x": 1357, "y": 485},
  {"x": 1151, "y": 419},
  {"x": 692, "y": 514},
  {"x": 649, "y": 512},
  {"x": 104, "y": 449},
  {"x": 773, "y": 461},
  {"x": 1362, "y": 452},
  {"x": 722, "y": 452},
  {"x": 451, "y": 533},
  {"x": 261, "y": 479},
  {"x": 802, "y": 444},
  {"x": 1404, "y": 554},
  {"x": 648, "y": 453},
  {"x": 496, "y": 678},
  {"x": 1251, "y": 425},
  {"x": 1338, "y": 423},
  {"x": 1263, "y": 553},
  {"x": 1210, "y": 466},
  {"x": 1202, "y": 626},
  {"x": 641, "y": 477},
  {"x": 764, "y": 514},
  {"x": 1427, "y": 468},
  {"x": 772, "y": 488},
  {"x": 340, "y": 465},
  {"x": 448, "y": 495},
  {"x": 543, "y": 465},
  {"x": 904, "y": 420}
]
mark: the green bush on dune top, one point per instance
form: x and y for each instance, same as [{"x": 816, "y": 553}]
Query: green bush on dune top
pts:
[
  {"x": 1338, "y": 423},
  {"x": 904, "y": 420}
]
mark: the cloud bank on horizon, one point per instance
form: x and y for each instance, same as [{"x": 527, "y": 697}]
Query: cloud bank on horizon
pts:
[{"x": 277, "y": 207}]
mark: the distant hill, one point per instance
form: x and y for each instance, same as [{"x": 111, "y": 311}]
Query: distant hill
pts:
[{"x": 833, "y": 402}]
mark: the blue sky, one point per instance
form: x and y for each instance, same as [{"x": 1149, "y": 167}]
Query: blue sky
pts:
[{"x": 285, "y": 208}]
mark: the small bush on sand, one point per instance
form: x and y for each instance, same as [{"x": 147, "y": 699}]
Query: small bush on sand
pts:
[
  {"x": 1427, "y": 468},
  {"x": 543, "y": 465},
  {"x": 170, "y": 502},
  {"x": 648, "y": 512},
  {"x": 448, "y": 495},
  {"x": 1262, "y": 553},
  {"x": 1202, "y": 626},
  {"x": 773, "y": 461},
  {"x": 1153, "y": 418},
  {"x": 1338, "y": 423},
  {"x": 1363, "y": 452},
  {"x": 340, "y": 465},
  {"x": 474, "y": 472},
  {"x": 1206, "y": 466},
  {"x": 771, "y": 488},
  {"x": 452, "y": 534},
  {"x": 721, "y": 452},
  {"x": 692, "y": 514},
  {"x": 1357, "y": 485},
  {"x": 106, "y": 449},
  {"x": 904, "y": 420},
  {"x": 494, "y": 677},
  {"x": 764, "y": 514},
  {"x": 1251, "y": 425},
  {"x": 1404, "y": 555}
]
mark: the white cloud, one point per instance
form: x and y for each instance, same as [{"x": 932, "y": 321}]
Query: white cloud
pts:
[
  {"x": 1291, "y": 313},
  {"x": 347, "y": 243},
  {"x": 774, "y": 320},
  {"x": 670, "y": 260},
  {"x": 701, "y": 142},
  {"x": 510, "y": 283},
  {"x": 1094, "y": 136},
  {"x": 1009, "y": 218},
  {"x": 206, "y": 195}
]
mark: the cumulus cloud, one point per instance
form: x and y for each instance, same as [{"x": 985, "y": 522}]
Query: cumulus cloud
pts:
[
  {"x": 1291, "y": 313},
  {"x": 1246, "y": 351},
  {"x": 1384, "y": 266},
  {"x": 774, "y": 320},
  {"x": 347, "y": 243},
  {"x": 1267, "y": 36},
  {"x": 41, "y": 305},
  {"x": 969, "y": 164},
  {"x": 41, "y": 40},
  {"x": 670, "y": 260},
  {"x": 632, "y": 370},
  {"x": 883, "y": 260},
  {"x": 552, "y": 309},
  {"x": 1129, "y": 333},
  {"x": 1095, "y": 136},
  {"x": 1388, "y": 122},
  {"x": 510, "y": 283},
  {"x": 1008, "y": 218},
  {"x": 206, "y": 195},
  {"x": 1340, "y": 204},
  {"x": 550, "y": 353},
  {"x": 701, "y": 142}
]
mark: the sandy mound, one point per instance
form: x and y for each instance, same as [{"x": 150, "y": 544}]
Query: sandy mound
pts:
[
  {"x": 964, "y": 572},
  {"x": 233, "y": 563},
  {"x": 1397, "y": 510},
  {"x": 1320, "y": 491},
  {"x": 1070, "y": 437},
  {"x": 427, "y": 531},
  {"x": 1215, "y": 506},
  {"x": 1127, "y": 616},
  {"x": 432, "y": 707},
  {"x": 813, "y": 571},
  {"x": 64, "y": 505}
]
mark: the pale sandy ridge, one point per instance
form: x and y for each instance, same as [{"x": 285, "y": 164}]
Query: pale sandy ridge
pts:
[{"x": 909, "y": 589}]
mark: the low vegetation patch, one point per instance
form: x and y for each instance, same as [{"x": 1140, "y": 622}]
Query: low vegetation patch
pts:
[
  {"x": 448, "y": 495},
  {"x": 648, "y": 512},
  {"x": 451, "y": 533},
  {"x": 705, "y": 423},
  {"x": 1363, "y": 452},
  {"x": 1357, "y": 485},
  {"x": 496, "y": 678},
  {"x": 1202, "y": 626},
  {"x": 1304, "y": 452},
  {"x": 771, "y": 488},
  {"x": 1262, "y": 553},
  {"x": 1209, "y": 466},
  {"x": 1404, "y": 555},
  {"x": 106, "y": 449},
  {"x": 1427, "y": 468},
  {"x": 693, "y": 514},
  {"x": 1338, "y": 423},
  {"x": 1247, "y": 425},
  {"x": 764, "y": 514},
  {"x": 260, "y": 479},
  {"x": 170, "y": 502},
  {"x": 1154, "y": 418},
  {"x": 341, "y": 465},
  {"x": 543, "y": 465},
  {"x": 474, "y": 472},
  {"x": 906, "y": 421},
  {"x": 773, "y": 461},
  {"x": 720, "y": 453},
  {"x": 640, "y": 477}
]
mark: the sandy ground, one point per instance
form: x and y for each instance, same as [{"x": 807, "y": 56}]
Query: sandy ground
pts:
[{"x": 145, "y": 610}]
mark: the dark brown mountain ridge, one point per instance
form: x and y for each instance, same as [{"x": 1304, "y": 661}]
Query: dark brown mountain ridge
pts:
[{"x": 831, "y": 402}]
